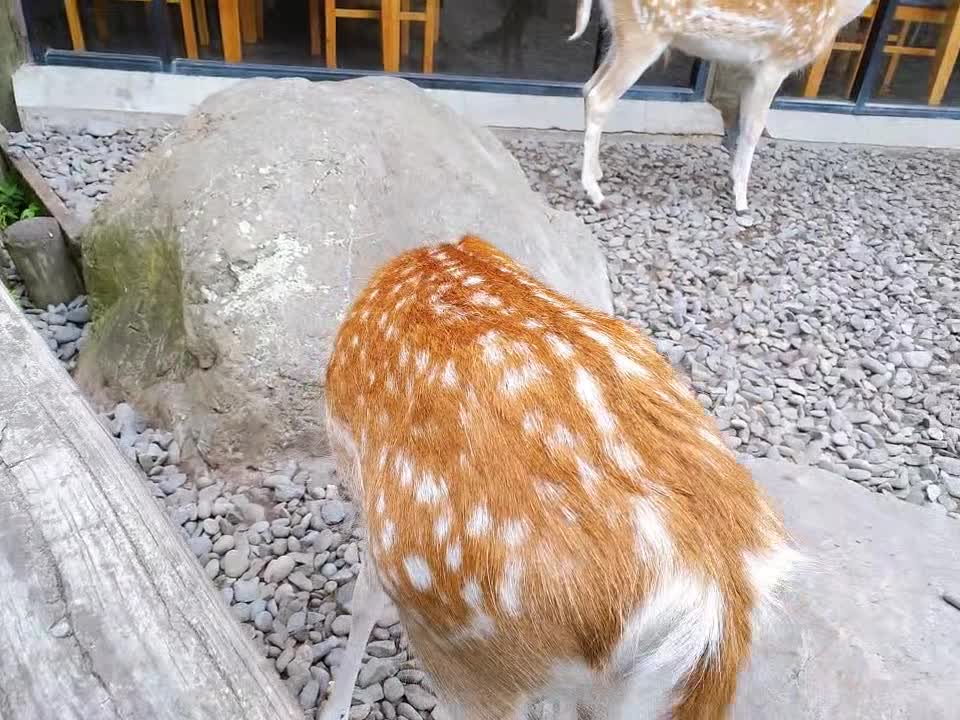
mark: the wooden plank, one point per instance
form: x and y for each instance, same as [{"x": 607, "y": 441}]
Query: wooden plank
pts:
[{"x": 106, "y": 613}]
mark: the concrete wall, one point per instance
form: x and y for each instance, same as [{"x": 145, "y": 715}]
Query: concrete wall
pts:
[{"x": 13, "y": 53}]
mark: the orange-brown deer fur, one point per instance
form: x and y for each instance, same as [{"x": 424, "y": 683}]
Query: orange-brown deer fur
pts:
[
  {"x": 770, "y": 38},
  {"x": 547, "y": 505}
]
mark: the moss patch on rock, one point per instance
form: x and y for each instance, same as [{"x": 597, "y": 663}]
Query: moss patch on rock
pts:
[{"x": 140, "y": 265}]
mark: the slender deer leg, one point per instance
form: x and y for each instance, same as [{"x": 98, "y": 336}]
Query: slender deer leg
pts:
[
  {"x": 627, "y": 64},
  {"x": 369, "y": 600},
  {"x": 587, "y": 89},
  {"x": 754, "y": 105}
]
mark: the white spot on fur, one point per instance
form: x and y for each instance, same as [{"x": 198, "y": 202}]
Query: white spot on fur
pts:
[
  {"x": 561, "y": 347},
  {"x": 562, "y": 438},
  {"x": 623, "y": 456},
  {"x": 454, "y": 557},
  {"x": 428, "y": 491},
  {"x": 628, "y": 366},
  {"x": 381, "y": 504},
  {"x": 548, "y": 492},
  {"x": 479, "y": 523},
  {"x": 509, "y": 589},
  {"x": 492, "y": 352},
  {"x": 472, "y": 595},
  {"x": 388, "y": 535},
  {"x": 515, "y": 379},
  {"x": 404, "y": 469},
  {"x": 515, "y": 532},
  {"x": 533, "y": 422},
  {"x": 588, "y": 390},
  {"x": 486, "y": 299},
  {"x": 449, "y": 374},
  {"x": 597, "y": 336},
  {"x": 532, "y": 324},
  {"x": 423, "y": 357},
  {"x": 588, "y": 475},
  {"x": 418, "y": 570},
  {"x": 654, "y": 542},
  {"x": 441, "y": 528},
  {"x": 473, "y": 280}
]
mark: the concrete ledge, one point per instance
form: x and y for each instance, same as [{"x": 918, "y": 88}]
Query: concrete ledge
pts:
[
  {"x": 863, "y": 129},
  {"x": 77, "y": 98}
]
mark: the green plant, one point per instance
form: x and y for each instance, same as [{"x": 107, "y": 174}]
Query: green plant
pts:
[{"x": 15, "y": 203}]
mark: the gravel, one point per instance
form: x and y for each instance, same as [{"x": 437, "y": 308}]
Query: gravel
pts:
[
  {"x": 827, "y": 331},
  {"x": 81, "y": 168},
  {"x": 824, "y": 330}
]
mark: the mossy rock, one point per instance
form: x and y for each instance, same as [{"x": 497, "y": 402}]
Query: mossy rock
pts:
[
  {"x": 134, "y": 281},
  {"x": 220, "y": 268}
]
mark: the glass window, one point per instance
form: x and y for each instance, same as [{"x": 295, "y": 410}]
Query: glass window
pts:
[
  {"x": 497, "y": 39},
  {"x": 918, "y": 65}
]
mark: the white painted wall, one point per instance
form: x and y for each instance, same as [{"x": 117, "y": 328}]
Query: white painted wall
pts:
[{"x": 72, "y": 97}]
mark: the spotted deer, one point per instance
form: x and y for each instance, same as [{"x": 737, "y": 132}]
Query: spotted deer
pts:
[
  {"x": 546, "y": 503},
  {"x": 770, "y": 38}
]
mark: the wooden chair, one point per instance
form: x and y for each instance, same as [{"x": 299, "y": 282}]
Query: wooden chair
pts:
[
  {"x": 75, "y": 25},
  {"x": 392, "y": 15},
  {"x": 910, "y": 13}
]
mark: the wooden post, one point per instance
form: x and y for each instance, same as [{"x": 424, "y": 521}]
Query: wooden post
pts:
[
  {"x": 230, "y": 30},
  {"x": 40, "y": 255},
  {"x": 106, "y": 613}
]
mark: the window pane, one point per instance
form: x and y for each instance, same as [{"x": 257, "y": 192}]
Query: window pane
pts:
[
  {"x": 911, "y": 70},
  {"x": 121, "y": 26}
]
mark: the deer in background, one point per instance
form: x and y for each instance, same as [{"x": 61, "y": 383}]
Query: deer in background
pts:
[
  {"x": 547, "y": 505},
  {"x": 771, "y": 38}
]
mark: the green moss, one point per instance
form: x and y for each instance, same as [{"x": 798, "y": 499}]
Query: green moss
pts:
[{"x": 134, "y": 280}]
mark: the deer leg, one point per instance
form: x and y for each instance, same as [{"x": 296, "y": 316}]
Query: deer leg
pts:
[
  {"x": 754, "y": 105},
  {"x": 369, "y": 600},
  {"x": 596, "y": 170},
  {"x": 628, "y": 61}
]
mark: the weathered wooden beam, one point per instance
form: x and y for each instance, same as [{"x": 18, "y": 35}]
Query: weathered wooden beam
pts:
[{"x": 104, "y": 612}]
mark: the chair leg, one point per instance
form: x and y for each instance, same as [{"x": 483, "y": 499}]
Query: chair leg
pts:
[
  {"x": 330, "y": 17},
  {"x": 248, "y": 21},
  {"x": 100, "y": 20},
  {"x": 816, "y": 73},
  {"x": 229, "y": 12},
  {"x": 189, "y": 29},
  {"x": 203, "y": 22},
  {"x": 405, "y": 29},
  {"x": 948, "y": 48},
  {"x": 888, "y": 76},
  {"x": 430, "y": 35},
  {"x": 72, "y": 9},
  {"x": 314, "y": 21},
  {"x": 390, "y": 32},
  {"x": 855, "y": 65}
]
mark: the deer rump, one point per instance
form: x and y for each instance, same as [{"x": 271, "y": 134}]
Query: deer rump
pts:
[{"x": 546, "y": 504}]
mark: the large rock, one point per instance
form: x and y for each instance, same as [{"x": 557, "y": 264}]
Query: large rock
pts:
[
  {"x": 219, "y": 268},
  {"x": 864, "y": 633}
]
